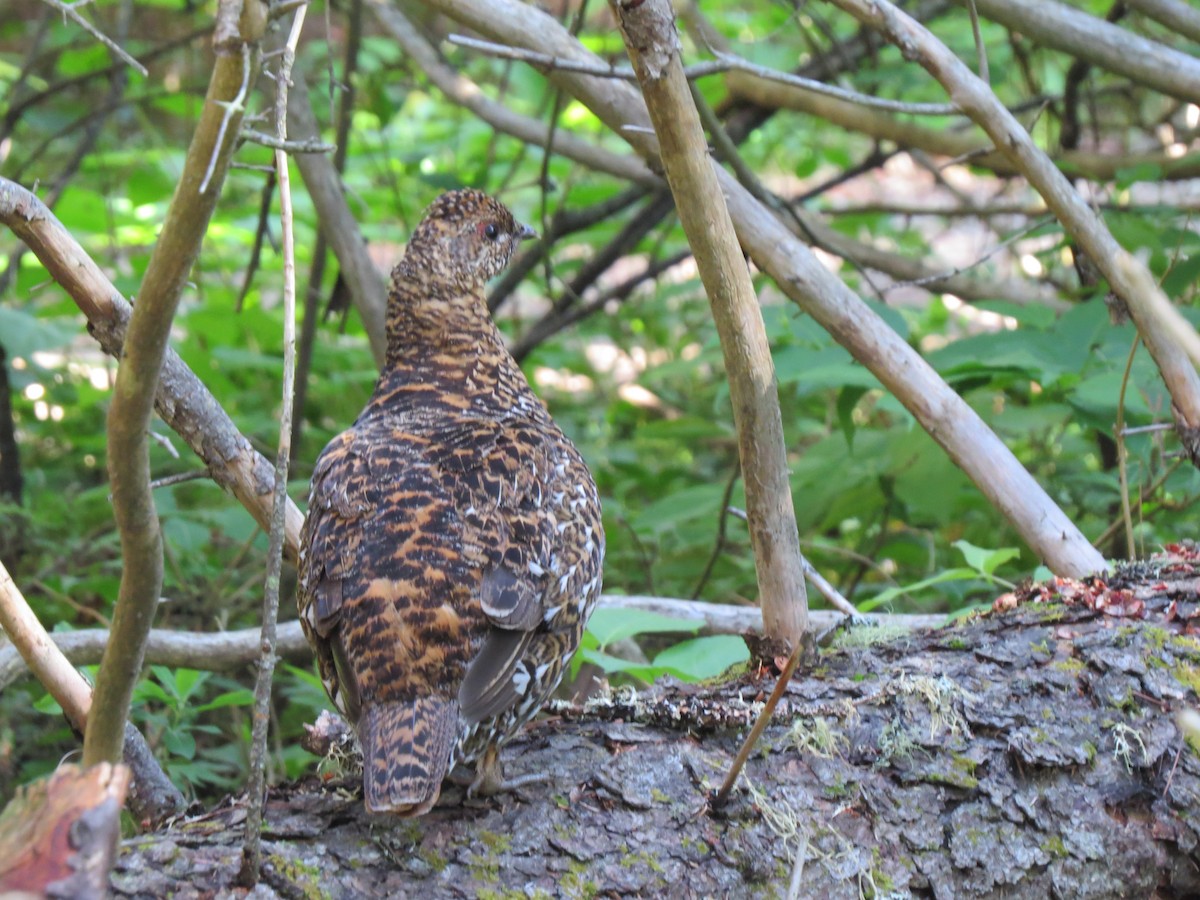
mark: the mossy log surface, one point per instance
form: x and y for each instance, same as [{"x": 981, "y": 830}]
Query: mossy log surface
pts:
[{"x": 1027, "y": 753}]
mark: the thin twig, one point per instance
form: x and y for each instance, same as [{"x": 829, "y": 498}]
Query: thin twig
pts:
[
  {"x": 768, "y": 710},
  {"x": 73, "y": 14},
  {"x": 1148, "y": 429},
  {"x": 980, "y": 50},
  {"x": 724, "y": 62},
  {"x": 252, "y": 846},
  {"x": 232, "y": 109},
  {"x": 722, "y": 522},
  {"x": 959, "y": 270},
  {"x": 1144, "y": 492},
  {"x": 261, "y": 231},
  {"x": 276, "y": 143},
  {"x": 180, "y": 478},
  {"x": 1122, "y": 453}
]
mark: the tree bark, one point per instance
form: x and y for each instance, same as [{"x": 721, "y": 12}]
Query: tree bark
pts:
[
  {"x": 648, "y": 27},
  {"x": 1032, "y": 753}
]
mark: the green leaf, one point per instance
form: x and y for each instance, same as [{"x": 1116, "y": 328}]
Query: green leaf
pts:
[
  {"x": 847, "y": 400},
  {"x": 983, "y": 560},
  {"x": 180, "y": 743},
  {"x": 47, "y": 704},
  {"x": 609, "y": 625},
  {"x": 703, "y": 658},
  {"x": 891, "y": 594},
  {"x": 240, "y": 697},
  {"x": 25, "y": 334}
]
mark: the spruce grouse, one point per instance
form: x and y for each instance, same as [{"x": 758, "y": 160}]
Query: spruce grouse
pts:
[{"x": 453, "y": 546}]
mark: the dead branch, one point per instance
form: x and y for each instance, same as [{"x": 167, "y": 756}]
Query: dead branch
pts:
[
  {"x": 182, "y": 401},
  {"x": 368, "y": 292},
  {"x": 648, "y": 28},
  {"x": 1057, "y": 25},
  {"x": 972, "y": 144}
]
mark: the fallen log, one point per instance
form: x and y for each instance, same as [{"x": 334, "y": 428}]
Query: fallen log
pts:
[{"x": 1031, "y": 752}]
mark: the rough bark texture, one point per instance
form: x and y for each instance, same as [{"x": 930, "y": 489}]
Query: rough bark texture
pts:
[{"x": 1031, "y": 753}]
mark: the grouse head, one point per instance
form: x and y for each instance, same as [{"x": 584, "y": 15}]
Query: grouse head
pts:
[{"x": 465, "y": 239}]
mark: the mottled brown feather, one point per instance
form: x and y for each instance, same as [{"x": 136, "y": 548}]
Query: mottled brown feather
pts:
[{"x": 452, "y": 551}]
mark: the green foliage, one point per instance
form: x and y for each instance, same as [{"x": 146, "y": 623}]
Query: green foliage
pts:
[
  {"x": 697, "y": 659},
  {"x": 640, "y": 386}
]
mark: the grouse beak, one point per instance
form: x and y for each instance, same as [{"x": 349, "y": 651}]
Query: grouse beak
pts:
[{"x": 526, "y": 233}]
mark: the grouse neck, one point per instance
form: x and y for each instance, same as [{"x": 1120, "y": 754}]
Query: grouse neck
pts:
[{"x": 455, "y": 364}]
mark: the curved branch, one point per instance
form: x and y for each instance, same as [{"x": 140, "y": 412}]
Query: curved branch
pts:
[{"x": 954, "y": 144}]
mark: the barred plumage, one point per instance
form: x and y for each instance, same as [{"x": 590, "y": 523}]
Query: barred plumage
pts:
[{"x": 452, "y": 551}]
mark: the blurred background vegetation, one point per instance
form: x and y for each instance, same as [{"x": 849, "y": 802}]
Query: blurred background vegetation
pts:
[{"x": 636, "y": 381}]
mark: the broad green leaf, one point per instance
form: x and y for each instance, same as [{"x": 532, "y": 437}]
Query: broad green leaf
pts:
[
  {"x": 240, "y": 697},
  {"x": 23, "y": 334},
  {"x": 983, "y": 560},
  {"x": 179, "y": 742},
  {"x": 704, "y": 657},
  {"x": 609, "y": 625},
  {"x": 887, "y": 596}
]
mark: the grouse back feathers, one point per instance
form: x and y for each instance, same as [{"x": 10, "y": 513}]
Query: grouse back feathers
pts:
[{"x": 452, "y": 551}]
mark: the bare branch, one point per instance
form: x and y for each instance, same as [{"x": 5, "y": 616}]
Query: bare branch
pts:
[
  {"x": 648, "y": 27},
  {"x": 230, "y": 650},
  {"x": 338, "y": 226},
  {"x": 72, "y": 13},
  {"x": 276, "y": 143},
  {"x": 736, "y": 63},
  {"x": 1057, "y": 25},
  {"x": 256, "y": 783},
  {"x": 965, "y": 144}
]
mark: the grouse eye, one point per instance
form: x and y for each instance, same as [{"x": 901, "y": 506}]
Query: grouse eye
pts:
[{"x": 491, "y": 232}]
